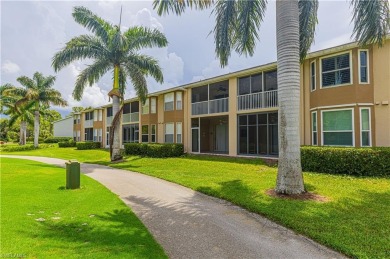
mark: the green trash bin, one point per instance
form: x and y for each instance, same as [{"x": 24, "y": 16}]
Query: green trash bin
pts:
[{"x": 72, "y": 174}]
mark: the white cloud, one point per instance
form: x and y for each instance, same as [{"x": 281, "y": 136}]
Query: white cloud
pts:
[
  {"x": 10, "y": 67},
  {"x": 92, "y": 96},
  {"x": 213, "y": 69},
  {"x": 144, "y": 18}
]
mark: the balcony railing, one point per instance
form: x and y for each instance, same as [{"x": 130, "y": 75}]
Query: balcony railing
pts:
[
  {"x": 212, "y": 106},
  {"x": 267, "y": 99},
  {"x": 88, "y": 124},
  {"x": 130, "y": 117},
  {"x": 109, "y": 120}
]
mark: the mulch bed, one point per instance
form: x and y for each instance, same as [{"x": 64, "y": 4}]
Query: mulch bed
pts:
[{"x": 307, "y": 196}]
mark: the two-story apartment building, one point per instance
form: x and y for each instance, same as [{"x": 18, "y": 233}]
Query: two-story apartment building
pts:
[{"x": 345, "y": 92}]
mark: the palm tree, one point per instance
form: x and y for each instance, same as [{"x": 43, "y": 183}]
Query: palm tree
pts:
[
  {"x": 114, "y": 51},
  {"x": 37, "y": 92},
  {"x": 236, "y": 28},
  {"x": 8, "y": 107}
]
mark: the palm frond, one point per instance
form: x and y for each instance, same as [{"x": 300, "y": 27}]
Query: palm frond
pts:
[
  {"x": 148, "y": 65},
  {"x": 79, "y": 48},
  {"x": 307, "y": 25},
  {"x": 26, "y": 82},
  {"x": 90, "y": 75},
  {"x": 224, "y": 30},
  {"x": 138, "y": 80},
  {"x": 92, "y": 22},
  {"x": 250, "y": 15},
  {"x": 179, "y": 6},
  {"x": 371, "y": 21},
  {"x": 49, "y": 82},
  {"x": 140, "y": 37}
]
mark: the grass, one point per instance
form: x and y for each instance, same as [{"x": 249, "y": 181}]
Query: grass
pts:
[
  {"x": 90, "y": 222},
  {"x": 354, "y": 221}
]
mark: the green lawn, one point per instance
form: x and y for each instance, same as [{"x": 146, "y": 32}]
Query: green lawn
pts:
[
  {"x": 354, "y": 221},
  {"x": 41, "y": 219}
]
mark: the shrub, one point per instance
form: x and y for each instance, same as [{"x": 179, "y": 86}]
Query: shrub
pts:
[
  {"x": 40, "y": 140},
  {"x": 70, "y": 143},
  {"x": 57, "y": 139},
  {"x": 154, "y": 150},
  {"x": 87, "y": 145},
  {"x": 16, "y": 148},
  {"x": 348, "y": 161}
]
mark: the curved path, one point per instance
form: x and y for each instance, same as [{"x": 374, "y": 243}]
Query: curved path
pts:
[{"x": 189, "y": 224}]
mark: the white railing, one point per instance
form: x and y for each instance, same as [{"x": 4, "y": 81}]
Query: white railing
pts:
[
  {"x": 212, "y": 106},
  {"x": 130, "y": 117},
  {"x": 219, "y": 105},
  {"x": 88, "y": 124},
  {"x": 109, "y": 120},
  {"x": 267, "y": 99},
  {"x": 200, "y": 108}
]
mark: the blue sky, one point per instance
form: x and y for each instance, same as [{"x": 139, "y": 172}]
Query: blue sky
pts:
[{"x": 32, "y": 31}]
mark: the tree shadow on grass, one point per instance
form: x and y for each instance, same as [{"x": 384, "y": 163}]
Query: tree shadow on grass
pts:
[
  {"x": 356, "y": 225},
  {"x": 118, "y": 233},
  {"x": 226, "y": 159}
]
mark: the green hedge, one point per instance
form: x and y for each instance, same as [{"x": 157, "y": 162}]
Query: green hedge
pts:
[
  {"x": 87, "y": 145},
  {"x": 57, "y": 139},
  {"x": 347, "y": 161},
  {"x": 70, "y": 143},
  {"x": 154, "y": 150},
  {"x": 16, "y": 148}
]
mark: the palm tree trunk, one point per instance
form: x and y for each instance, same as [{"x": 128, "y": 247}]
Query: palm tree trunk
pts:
[
  {"x": 36, "y": 128},
  {"x": 290, "y": 179},
  {"x": 22, "y": 133},
  {"x": 116, "y": 143}
]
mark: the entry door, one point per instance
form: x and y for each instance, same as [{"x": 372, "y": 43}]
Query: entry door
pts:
[
  {"x": 221, "y": 138},
  {"x": 195, "y": 140}
]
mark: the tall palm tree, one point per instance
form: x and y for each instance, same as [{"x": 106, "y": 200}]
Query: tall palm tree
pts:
[
  {"x": 37, "y": 92},
  {"x": 236, "y": 28},
  {"x": 8, "y": 107},
  {"x": 112, "y": 50}
]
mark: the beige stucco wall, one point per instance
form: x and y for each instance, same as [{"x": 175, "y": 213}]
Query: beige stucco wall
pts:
[
  {"x": 233, "y": 116},
  {"x": 381, "y": 81}
]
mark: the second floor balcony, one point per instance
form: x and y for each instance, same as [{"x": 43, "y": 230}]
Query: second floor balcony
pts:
[
  {"x": 212, "y": 106},
  {"x": 130, "y": 112},
  {"x": 88, "y": 124},
  {"x": 268, "y": 99},
  {"x": 130, "y": 117}
]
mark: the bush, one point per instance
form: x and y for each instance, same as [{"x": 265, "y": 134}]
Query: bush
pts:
[
  {"x": 57, "y": 139},
  {"x": 87, "y": 145},
  {"x": 16, "y": 148},
  {"x": 40, "y": 140},
  {"x": 70, "y": 143},
  {"x": 154, "y": 150},
  {"x": 347, "y": 161}
]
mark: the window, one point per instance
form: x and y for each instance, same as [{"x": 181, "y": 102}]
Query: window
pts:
[
  {"x": 109, "y": 111},
  {"x": 126, "y": 108},
  {"x": 179, "y": 101},
  {"x": 145, "y": 133},
  {"x": 88, "y": 134},
  {"x": 363, "y": 67},
  {"x": 178, "y": 132},
  {"x": 365, "y": 127},
  {"x": 74, "y": 136},
  {"x": 314, "y": 128},
  {"x": 78, "y": 135},
  {"x": 153, "y": 105},
  {"x": 199, "y": 94},
  {"x": 336, "y": 70},
  {"x": 95, "y": 134},
  {"x": 168, "y": 101},
  {"x": 313, "y": 76},
  {"x": 250, "y": 84},
  {"x": 76, "y": 119},
  {"x": 100, "y": 135},
  {"x": 169, "y": 132},
  {"x": 100, "y": 112},
  {"x": 270, "y": 80},
  {"x": 89, "y": 116},
  {"x": 337, "y": 128},
  {"x": 95, "y": 115},
  {"x": 130, "y": 133},
  {"x": 145, "y": 107},
  {"x": 258, "y": 134},
  {"x": 153, "y": 135}
]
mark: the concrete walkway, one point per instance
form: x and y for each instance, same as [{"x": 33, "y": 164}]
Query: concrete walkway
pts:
[{"x": 189, "y": 224}]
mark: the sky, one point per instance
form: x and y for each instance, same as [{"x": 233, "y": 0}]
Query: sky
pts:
[{"x": 33, "y": 31}]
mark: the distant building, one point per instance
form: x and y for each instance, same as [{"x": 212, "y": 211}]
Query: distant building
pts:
[
  {"x": 345, "y": 93},
  {"x": 63, "y": 127}
]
